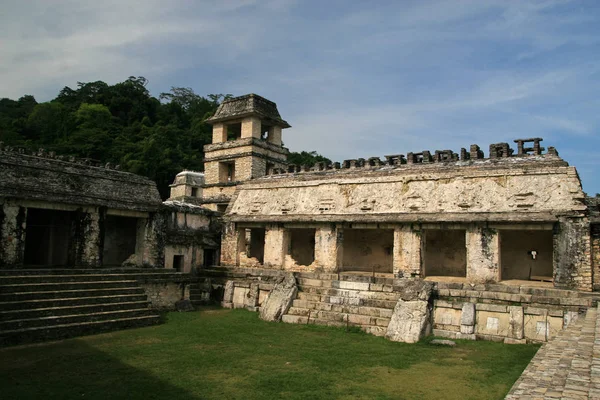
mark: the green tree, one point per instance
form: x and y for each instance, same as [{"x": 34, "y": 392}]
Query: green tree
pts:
[{"x": 307, "y": 158}]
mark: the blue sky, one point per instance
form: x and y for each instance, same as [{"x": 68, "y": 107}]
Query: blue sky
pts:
[{"x": 353, "y": 78}]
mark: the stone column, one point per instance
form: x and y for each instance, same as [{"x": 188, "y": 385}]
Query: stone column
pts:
[
  {"x": 88, "y": 248},
  {"x": 149, "y": 250},
  {"x": 12, "y": 241},
  {"x": 329, "y": 247},
  {"x": 251, "y": 127},
  {"x": 219, "y": 133},
  {"x": 572, "y": 254},
  {"x": 276, "y": 243},
  {"x": 275, "y": 135},
  {"x": 407, "y": 260},
  {"x": 229, "y": 244},
  {"x": 483, "y": 254}
]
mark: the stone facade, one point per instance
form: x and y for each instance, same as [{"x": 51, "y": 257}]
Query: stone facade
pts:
[
  {"x": 65, "y": 212},
  {"x": 246, "y": 145},
  {"x": 420, "y": 214}
]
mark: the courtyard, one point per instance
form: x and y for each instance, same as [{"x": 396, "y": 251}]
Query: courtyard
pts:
[{"x": 231, "y": 354}]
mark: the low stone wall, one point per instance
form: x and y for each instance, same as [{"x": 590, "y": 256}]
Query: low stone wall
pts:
[
  {"x": 511, "y": 314},
  {"x": 164, "y": 295}
]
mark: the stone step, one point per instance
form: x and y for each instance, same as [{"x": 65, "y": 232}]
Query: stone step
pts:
[
  {"x": 71, "y": 319},
  {"x": 57, "y": 294},
  {"x": 370, "y": 311},
  {"x": 28, "y": 335},
  {"x": 295, "y": 319},
  {"x": 351, "y": 301},
  {"x": 335, "y": 284},
  {"x": 350, "y": 293},
  {"x": 356, "y": 319},
  {"x": 71, "y": 310},
  {"x": 71, "y": 301},
  {"x": 80, "y": 271},
  {"x": 55, "y": 286},
  {"x": 52, "y": 278},
  {"x": 348, "y": 277}
]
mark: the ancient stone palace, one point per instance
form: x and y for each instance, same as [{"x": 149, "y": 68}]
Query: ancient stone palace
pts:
[{"x": 497, "y": 243}]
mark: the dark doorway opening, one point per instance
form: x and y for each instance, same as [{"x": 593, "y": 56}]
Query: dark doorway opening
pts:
[
  {"x": 210, "y": 257},
  {"x": 120, "y": 238},
  {"x": 526, "y": 254},
  {"x": 255, "y": 243},
  {"x": 302, "y": 245},
  {"x": 49, "y": 237},
  {"x": 178, "y": 263},
  {"x": 368, "y": 250},
  {"x": 445, "y": 252}
]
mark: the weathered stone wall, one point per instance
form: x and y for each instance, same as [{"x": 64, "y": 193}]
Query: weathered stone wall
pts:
[
  {"x": 595, "y": 239},
  {"x": 482, "y": 254},
  {"x": 511, "y": 322},
  {"x": 192, "y": 256},
  {"x": 12, "y": 234},
  {"x": 405, "y": 194},
  {"x": 164, "y": 295},
  {"x": 572, "y": 254},
  {"x": 49, "y": 178}
]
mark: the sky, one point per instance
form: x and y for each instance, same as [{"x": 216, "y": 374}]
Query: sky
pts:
[{"x": 353, "y": 78}]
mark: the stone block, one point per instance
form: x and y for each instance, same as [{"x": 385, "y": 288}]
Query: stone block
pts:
[
  {"x": 515, "y": 341},
  {"x": 516, "y": 322},
  {"x": 467, "y": 329},
  {"x": 280, "y": 299},
  {"x": 468, "y": 314},
  {"x": 409, "y": 322}
]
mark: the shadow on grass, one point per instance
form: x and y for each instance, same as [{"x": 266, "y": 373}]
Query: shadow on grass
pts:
[
  {"x": 232, "y": 354},
  {"x": 72, "y": 369}
]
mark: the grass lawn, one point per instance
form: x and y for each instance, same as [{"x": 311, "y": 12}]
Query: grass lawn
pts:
[{"x": 231, "y": 354}]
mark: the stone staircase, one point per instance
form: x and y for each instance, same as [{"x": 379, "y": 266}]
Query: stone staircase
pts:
[
  {"x": 343, "y": 300},
  {"x": 38, "y": 305},
  {"x": 567, "y": 367},
  {"x": 200, "y": 292}
]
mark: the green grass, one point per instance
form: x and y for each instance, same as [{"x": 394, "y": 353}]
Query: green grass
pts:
[{"x": 224, "y": 354}]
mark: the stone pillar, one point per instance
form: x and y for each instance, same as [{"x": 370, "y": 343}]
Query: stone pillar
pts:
[
  {"x": 329, "y": 247},
  {"x": 251, "y": 127},
  {"x": 229, "y": 244},
  {"x": 407, "y": 260},
  {"x": 276, "y": 244},
  {"x": 148, "y": 247},
  {"x": 483, "y": 254},
  {"x": 572, "y": 254},
  {"x": 275, "y": 135},
  {"x": 219, "y": 133},
  {"x": 516, "y": 324},
  {"x": 12, "y": 229},
  {"x": 88, "y": 246}
]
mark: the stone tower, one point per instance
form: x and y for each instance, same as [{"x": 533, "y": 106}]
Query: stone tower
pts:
[{"x": 246, "y": 144}]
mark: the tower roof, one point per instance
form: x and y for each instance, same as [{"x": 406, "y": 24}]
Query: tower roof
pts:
[{"x": 248, "y": 105}]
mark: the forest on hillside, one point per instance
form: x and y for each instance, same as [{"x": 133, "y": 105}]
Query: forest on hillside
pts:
[{"x": 121, "y": 124}]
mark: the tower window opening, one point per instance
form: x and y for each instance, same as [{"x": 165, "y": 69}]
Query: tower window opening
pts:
[{"x": 234, "y": 131}]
